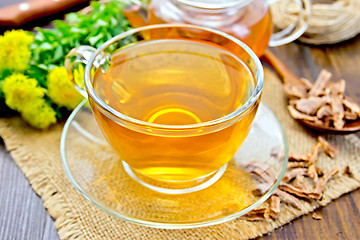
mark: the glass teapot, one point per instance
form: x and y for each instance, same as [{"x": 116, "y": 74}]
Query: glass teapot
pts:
[{"x": 248, "y": 20}]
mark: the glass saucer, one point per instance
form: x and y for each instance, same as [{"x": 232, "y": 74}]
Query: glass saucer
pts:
[{"x": 98, "y": 174}]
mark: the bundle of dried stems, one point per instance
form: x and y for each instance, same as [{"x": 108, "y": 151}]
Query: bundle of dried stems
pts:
[{"x": 329, "y": 23}]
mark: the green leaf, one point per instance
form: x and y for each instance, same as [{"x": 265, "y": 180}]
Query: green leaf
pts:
[
  {"x": 58, "y": 54},
  {"x": 95, "y": 39},
  {"x": 45, "y": 46},
  {"x": 100, "y": 23},
  {"x": 50, "y": 46},
  {"x": 39, "y": 36},
  {"x": 43, "y": 66},
  {"x": 73, "y": 17},
  {"x": 78, "y": 30}
]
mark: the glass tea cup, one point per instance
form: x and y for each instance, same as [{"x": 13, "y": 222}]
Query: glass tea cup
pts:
[
  {"x": 175, "y": 101},
  {"x": 248, "y": 20}
]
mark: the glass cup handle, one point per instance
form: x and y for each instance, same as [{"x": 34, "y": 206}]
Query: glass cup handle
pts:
[
  {"x": 75, "y": 63},
  {"x": 296, "y": 29}
]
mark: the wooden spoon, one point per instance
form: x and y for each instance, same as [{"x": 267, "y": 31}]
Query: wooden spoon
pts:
[{"x": 289, "y": 77}]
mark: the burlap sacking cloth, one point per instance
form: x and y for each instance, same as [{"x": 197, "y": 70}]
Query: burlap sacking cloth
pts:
[{"x": 37, "y": 155}]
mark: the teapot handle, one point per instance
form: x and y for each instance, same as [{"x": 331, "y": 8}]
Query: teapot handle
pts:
[
  {"x": 136, "y": 13},
  {"x": 75, "y": 63},
  {"x": 296, "y": 29}
]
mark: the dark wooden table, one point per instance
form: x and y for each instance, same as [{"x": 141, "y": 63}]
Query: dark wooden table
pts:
[{"x": 23, "y": 216}]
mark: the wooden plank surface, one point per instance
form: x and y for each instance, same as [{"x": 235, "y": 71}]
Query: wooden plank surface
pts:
[{"x": 22, "y": 214}]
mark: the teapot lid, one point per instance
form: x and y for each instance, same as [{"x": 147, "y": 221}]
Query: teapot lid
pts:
[{"x": 215, "y": 4}]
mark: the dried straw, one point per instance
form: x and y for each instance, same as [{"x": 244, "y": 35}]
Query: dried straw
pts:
[{"x": 330, "y": 23}]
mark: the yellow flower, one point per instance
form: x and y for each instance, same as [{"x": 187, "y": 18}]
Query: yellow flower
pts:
[
  {"x": 15, "y": 50},
  {"x": 39, "y": 114},
  {"x": 19, "y": 90},
  {"x": 61, "y": 90},
  {"x": 25, "y": 96}
]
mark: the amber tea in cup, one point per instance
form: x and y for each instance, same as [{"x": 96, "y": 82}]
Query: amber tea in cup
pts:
[{"x": 174, "y": 101}]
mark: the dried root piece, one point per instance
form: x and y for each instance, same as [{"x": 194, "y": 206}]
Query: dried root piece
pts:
[
  {"x": 322, "y": 103},
  {"x": 285, "y": 197},
  {"x": 297, "y": 165},
  {"x": 261, "y": 188},
  {"x": 255, "y": 215},
  {"x": 274, "y": 209},
  {"x": 319, "y": 172},
  {"x": 299, "y": 115},
  {"x": 312, "y": 172},
  {"x": 306, "y": 159},
  {"x": 351, "y": 106},
  {"x": 293, "y": 173},
  {"x": 336, "y": 88},
  {"x": 321, "y": 184},
  {"x": 311, "y": 104},
  {"x": 295, "y": 185},
  {"x": 338, "y": 110},
  {"x": 299, "y": 182},
  {"x": 315, "y": 153},
  {"x": 299, "y": 158},
  {"x": 316, "y": 216},
  {"x": 263, "y": 177},
  {"x": 320, "y": 83},
  {"x": 324, "y": 111},
  {"x": 299, "y": 192},
  {"x": 307, "y": 84},
  {"x": 329, "y": 148},
  {"x": 294, "y": 91},
  {"x": 260, "y": 173},
  {"x": 350, "y": 115}
]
